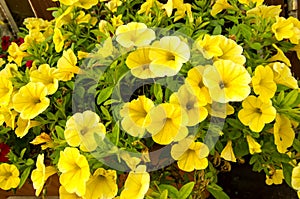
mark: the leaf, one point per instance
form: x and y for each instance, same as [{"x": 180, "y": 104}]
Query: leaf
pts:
[
  {"x": 164, "y": 194},
  {"x": 235, "y": 123},
  {"x": 217, "y": 30},
  {"x": 255, "y": 46},
  {"x": 290, "y": 98},
  {"x": 296, "y": 145},
  {"x": 158, "y": 92},
  {"x": 104, "y": 94},
  {"x": 218, "y": 194},
  {"x": 287, "y": 173},
  {"x": 186, "y": 190},
  {"x": 105, "y": 112},
  {"x": 173, "y": 192},
  {"x": 22, "y": 153},
  {"x": 60, "y": 131},
  {"x": 24, "y": 176},
  {"x": 232, "y": 18}
]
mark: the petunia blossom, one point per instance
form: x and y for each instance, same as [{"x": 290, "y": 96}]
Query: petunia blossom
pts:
[
  {"x": 136, "y": 116},
  {"x": 190, "y": 155},
  {"x": 75, "y": 171},
  {"x": 102, "y": 184},
  {"x": 31, "y": 100},
  {"x": 136, "y": 184},
  {"x": 81, "y": 129},
  {"x": 168, "y": 55},
  {"x": 40, "y": 175},
  {"x": 168, "y": 123},
  {"x": 227, "y": 153},
  {"x": 256, "y": 113},
  {"x": 134, "y": 34},
  {"x": 9, "y": 176},
  {"x": 263, "y": 82},
  {"x": 227, "y": 81}
]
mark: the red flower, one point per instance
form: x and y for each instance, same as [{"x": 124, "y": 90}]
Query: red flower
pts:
[
  {"x": 5, "y": 42},
  {"x": 4, "y": 150},
  {"x": 29, "y": 63},
  {"x": 19, "y": 41}
]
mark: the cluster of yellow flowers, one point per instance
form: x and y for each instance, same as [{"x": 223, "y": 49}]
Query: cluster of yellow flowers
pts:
[{"x": 257, "y": 101}]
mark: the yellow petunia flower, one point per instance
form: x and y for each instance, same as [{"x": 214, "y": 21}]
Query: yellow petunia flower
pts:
[
  {"x": 227, "y": 153},
  {"x": 33, "y": 23},
  {"x": 113, "y": 5},
  {"x": 254, "y": 147},
  {"x": 194, "y": 83},
  {"x": 284, "y": 134},
  {"x": 295, "y": 38},
  {"x": 9, "y": 116},
  {"x": 220, "y": 110},
  {"x": 227, "y": 81},
  {"x": 168, "y": 123},
  {"x": 102, "y": 184},
  {"x": 167, "y": 55},
  {"x": 276, "y": 177},
  {"x": 84, "y": 18},
  {"x": 23, "y": 126},
  {"x": 40, "y": 175},
  {"x": 80, "y": 3},
  {"x": 75, "y": 171},
  {"x": 81, "y": 129},
  {"x": 138, "y": 61},
  {"x": 265, "y": 12},
  {"x": 136, "y": 116},
  {"x": 2, "y": 62},
  {"x": 209, "y": 46},
  {"x": 117, "y": 21},
  {"x": 16, "y": 54},
  {"x": 283, "y": 75},
  {"x": 134, "y": 34},
  {"x": 280, "y": 56},
  {"x": 6, "y": 90},
  {"x": 9, "y": 176},
  {"x": 296, "y": 178},
  {"x": 9, "y": 71},
  {"x": 43, "y": 139},
  {"x": 136, "y": 184},
  {"x": 45, "y": 75},
  {"x": 282, "y": 28},
  {"x": 190, "y": 104},
  {"x": 247, "y": 2},
  {"x": 190, "y": 155},
  {"x": 66, "y": 66},
  {"x": 219, "y": 6},
  {"x": 256, "y": 113},
  {"x": 147, "y": 5},
  {"x": 263, "y": 83},
  {"x": 65, "y": 18},
  {"x": 58, "y": 40},
  {"x": 64, "y": 194},
  {"x": 31, "y": 100},
  {"x": 231, "y": 50}
]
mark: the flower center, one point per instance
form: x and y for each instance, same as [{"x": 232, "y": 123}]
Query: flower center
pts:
[
  {"x": 222, "y": 84},
  {"x": 189, "y": 105},
  {"x": 36, "y": 101},
  {"x": 258, "y": 110},
  {"x": 170, "y": 56},
  {"x": 84, "y": 131}
]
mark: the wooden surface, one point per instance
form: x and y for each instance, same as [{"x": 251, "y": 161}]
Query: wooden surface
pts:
[
  {"x": 39, "y": 8},
  {"x": 52, "y": 186}
]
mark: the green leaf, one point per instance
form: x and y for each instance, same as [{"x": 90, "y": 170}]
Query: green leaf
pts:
[
  {"x": 22, "y": 153},
  {"x": 158, "y": 92},
  {"x": 232, "y": 18},
  {"x": 173, "y": 192},
  {"x": 287, "y": 173},
  {"x": 290, "y": 98},
  {"x": 235, "y": 123},
  {"x": 164, "y": 194},
  {"x": 217, "y": 30},
  {"x": 104, "y": 94},
  {"x": 186, "y": 190},
  {"x": 24, "y": 176},
  {"x": 255, "y": 46},
  {"x": 60, "y": 131},
  {"x": 105, "y": 112},
  {"x": 217, "y": 193},
  {"x": 296, "y": 145}
]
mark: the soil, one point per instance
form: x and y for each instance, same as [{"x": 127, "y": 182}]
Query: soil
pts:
[{"x": 243, "y": 183}]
